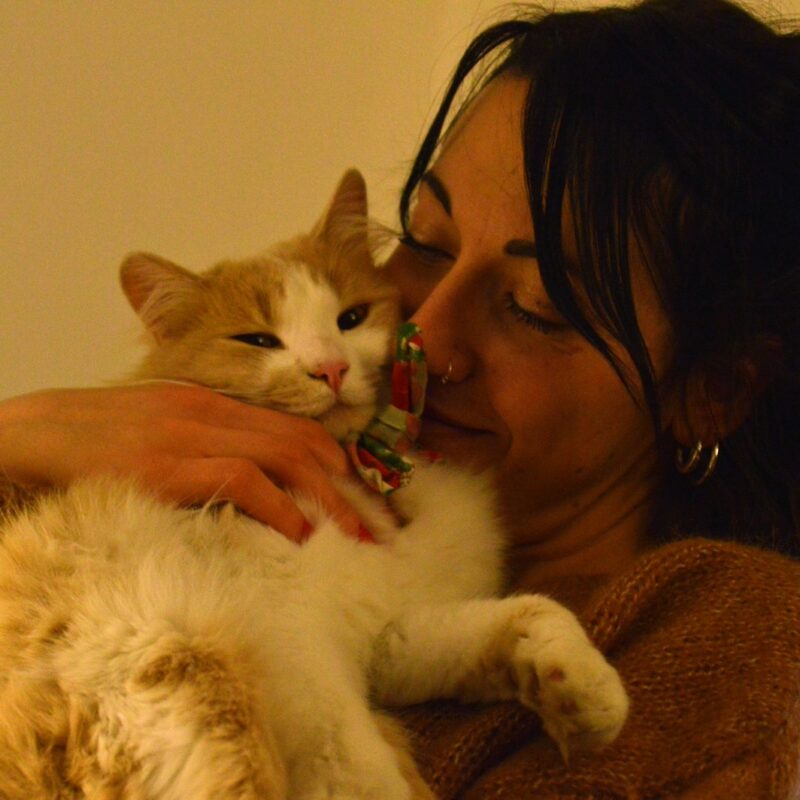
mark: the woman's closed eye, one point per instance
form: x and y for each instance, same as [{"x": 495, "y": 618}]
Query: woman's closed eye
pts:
[
  {"x": 532, "y": 319},
  {"x": 428, "y": 253}
]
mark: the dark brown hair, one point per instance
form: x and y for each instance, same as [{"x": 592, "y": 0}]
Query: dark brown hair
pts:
[{"x": 674, "y": 124}]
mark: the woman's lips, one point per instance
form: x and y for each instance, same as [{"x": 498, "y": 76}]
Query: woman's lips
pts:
[
  {"x": 440, "y": 418},
  {"x": 458, "y": 441}
]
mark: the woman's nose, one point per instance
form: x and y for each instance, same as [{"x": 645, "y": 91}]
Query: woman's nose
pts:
[{"x": 443, "y": 318}]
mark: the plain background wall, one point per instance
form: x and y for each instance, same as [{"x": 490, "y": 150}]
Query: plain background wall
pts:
[{"x": 195, "y": 130}]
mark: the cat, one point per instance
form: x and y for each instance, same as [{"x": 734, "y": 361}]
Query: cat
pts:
[{"x": 157, "y": 653}]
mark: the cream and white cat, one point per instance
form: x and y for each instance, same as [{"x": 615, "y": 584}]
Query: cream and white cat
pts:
[{"x": 155, "y": 653}]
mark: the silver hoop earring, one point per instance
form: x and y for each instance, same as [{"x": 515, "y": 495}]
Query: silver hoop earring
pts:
[
  {"x": 687, "y": 464},
  {"x": 446, "y": 377}
]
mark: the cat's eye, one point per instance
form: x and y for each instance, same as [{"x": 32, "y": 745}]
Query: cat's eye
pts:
[
  {"x": 352, "y": 317},
  {"x": 266, "y": 340}
]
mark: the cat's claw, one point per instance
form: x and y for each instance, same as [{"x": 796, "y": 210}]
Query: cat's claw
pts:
[{"x": 576, "y": 692}]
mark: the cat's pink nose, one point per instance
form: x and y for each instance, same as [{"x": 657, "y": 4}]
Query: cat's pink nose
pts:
[{"x": 332, "y": 372}]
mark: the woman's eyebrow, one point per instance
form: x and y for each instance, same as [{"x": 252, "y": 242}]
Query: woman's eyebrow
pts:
[
  {"x": 439, "y": 192},
  {"x": 514, "y": 247},
  {"x": 521, "y": 247}
]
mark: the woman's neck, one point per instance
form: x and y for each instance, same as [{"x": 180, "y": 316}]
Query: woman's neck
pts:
[{"x": 593, "y": 542}]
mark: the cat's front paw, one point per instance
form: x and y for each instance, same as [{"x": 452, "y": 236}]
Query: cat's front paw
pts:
[{"x": 567, "y": 681}]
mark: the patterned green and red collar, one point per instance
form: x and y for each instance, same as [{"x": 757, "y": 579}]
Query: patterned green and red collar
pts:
[{"x": 380, "y": 453}]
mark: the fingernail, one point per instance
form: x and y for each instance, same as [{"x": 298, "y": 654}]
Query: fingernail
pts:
[
  {"x": 305, "y": 531},
  {"x": 364, "y": 534}
]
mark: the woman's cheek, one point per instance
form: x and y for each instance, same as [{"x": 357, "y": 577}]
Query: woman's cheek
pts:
[{"x": 410, "y": 278}]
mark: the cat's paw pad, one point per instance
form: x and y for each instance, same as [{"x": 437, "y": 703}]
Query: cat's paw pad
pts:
[{"x": 576, "y": 692}]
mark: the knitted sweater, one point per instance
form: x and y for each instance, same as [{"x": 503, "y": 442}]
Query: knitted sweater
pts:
[{"x": 706, "y": 637}]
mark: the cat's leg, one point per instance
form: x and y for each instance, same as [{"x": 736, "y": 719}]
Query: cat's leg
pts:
[
  {"x": 164, "y": 719},
  {"x": 526, "y": 647},
  {"x": 335, "y": 747},
  {"x": 168, "y": 717},
  {"x": 34, "y": 726},
  {"x": 392, "y": 731}
]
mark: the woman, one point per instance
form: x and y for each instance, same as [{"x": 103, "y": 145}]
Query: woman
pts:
[{"x": 602, "y": 253}]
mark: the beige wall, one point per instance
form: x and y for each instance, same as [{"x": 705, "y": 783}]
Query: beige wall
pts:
[{"x": 196, "y": 130}]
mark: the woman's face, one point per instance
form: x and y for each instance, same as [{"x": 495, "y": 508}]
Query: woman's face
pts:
[{"x": 527, "y": 394}]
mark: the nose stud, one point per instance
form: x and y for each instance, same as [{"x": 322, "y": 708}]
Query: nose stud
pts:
[{"x": 446, "y": 377}]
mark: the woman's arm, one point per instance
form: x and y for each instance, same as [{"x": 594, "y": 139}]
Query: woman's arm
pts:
[{"x": 185, "y": 443}]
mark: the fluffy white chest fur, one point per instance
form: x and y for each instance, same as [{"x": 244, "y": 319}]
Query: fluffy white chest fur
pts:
[
  {"x": 155, "y": 653},
  {"x": 187, "y": 643}
]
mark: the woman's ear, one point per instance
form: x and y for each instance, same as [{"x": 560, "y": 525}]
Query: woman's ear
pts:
[{"x": 715, "y": 401}]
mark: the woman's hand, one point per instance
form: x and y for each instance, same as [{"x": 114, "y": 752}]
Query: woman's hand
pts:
[{"x": 187, "y": 444}]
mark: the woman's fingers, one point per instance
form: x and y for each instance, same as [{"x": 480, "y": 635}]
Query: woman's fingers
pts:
[
  {"x": 183, "y": 442},
  {"x": 239, "y": 482},
  {"x": 267, "y": 436},
  {"x": 242, "y": 483}
]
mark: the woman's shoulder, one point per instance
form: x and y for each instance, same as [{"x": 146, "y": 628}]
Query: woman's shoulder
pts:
[
  {"x": 704, "y": 601},
  {"x": 706, "y": 636},
  {"x": 696, "y": 581}
]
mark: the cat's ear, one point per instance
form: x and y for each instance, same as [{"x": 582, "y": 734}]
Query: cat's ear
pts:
[
  {"x": 345, "y": 219},
  {"x": 159, "y": 292}
]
